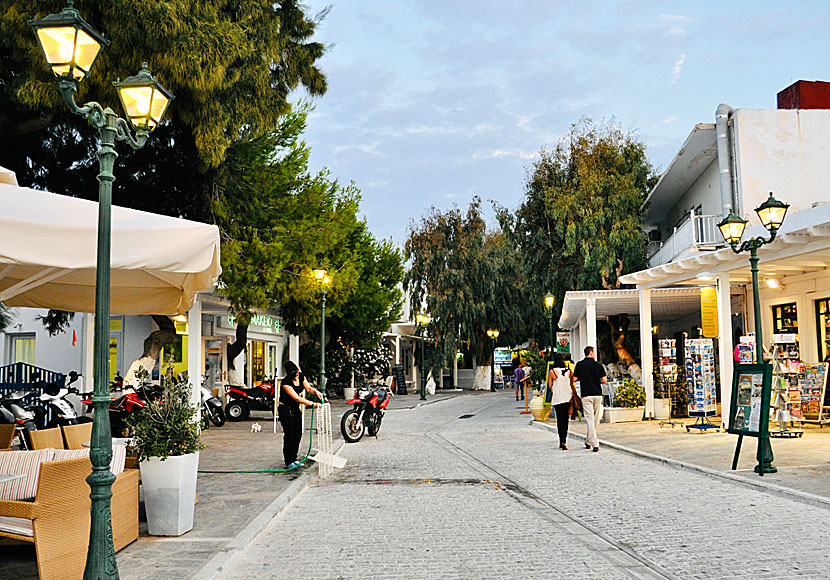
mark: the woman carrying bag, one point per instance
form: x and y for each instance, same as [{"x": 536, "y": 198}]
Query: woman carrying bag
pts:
[{"x": 562, "y": 393}]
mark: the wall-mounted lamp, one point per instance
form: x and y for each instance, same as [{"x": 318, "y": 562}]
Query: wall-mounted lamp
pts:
[
  {"x": 773, "y": 283},
  {"x": 705, "y": 276}
]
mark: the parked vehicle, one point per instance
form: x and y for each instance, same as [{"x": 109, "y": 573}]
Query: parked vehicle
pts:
[
  {"x": 131, "y": 401},
  {"x": 212, "y": 411},
  {"x": 367, "y": 413},
  {"x": 59, "y": 411},
  {"x": 14, "y": 408},
  {"x": 242, "y": 400}
]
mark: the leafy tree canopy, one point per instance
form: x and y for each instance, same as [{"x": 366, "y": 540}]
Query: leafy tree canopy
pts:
[{"x": 578, "y": 227}]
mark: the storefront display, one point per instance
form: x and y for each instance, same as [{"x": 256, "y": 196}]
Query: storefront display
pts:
[
  {"x": 823, "y": 324},
  {"x": 700, "y": 382}
]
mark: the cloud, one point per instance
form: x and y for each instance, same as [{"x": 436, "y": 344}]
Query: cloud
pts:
[
  {"x": 501, "y": 153},
  {"x": 674, "y": 18},
  {"x": 678, "y": 65},
  {"x": 676, "y": 23},
  {"x": 669, "y": 120}
]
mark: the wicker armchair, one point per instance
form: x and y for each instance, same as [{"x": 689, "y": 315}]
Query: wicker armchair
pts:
[
  {"x": 45, "y": 438},
  {"x": 76, "y": 435},
  {"x": 6, "y": 435}
]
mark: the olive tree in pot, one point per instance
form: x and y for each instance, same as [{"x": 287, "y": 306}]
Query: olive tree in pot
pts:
[{"x": 166, "y": 441}]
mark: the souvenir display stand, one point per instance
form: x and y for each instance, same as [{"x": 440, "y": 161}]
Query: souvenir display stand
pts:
[
  {"x": 666, "y": 367},
  {"x": 700, "y": 383},
  {"x": 786, "y": 394},
  {"x": 811, "y": 389}
]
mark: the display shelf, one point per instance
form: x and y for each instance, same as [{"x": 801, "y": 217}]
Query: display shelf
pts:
[
  {"x": 785, "y": 406},
  {"x": 665, "y": 364},
  {"x": 700, "y": 382}
]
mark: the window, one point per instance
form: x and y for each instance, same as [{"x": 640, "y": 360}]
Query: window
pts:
[
  {"x": 823, "y": 322},
  {"x": 785, "y": 319},
  {"x": 22, "y": 348}
]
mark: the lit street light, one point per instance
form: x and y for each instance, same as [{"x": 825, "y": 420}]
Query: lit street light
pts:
[
  {"x": 322, "y": 278},
  {"x": 421, "y": 320},
  {"x": 70, "y": 47},
  {"x": 493, "y": 333},
  {"x": 549, "y": 300},
  {"x": 771, "y": 213}
]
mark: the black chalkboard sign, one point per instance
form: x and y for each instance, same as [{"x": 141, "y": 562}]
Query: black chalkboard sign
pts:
[{"x": 400, "y": 379}]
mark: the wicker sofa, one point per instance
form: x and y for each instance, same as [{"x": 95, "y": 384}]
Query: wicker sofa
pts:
[{"x": 57, "y": 521}]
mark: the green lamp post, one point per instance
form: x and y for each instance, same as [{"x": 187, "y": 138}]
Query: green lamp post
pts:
[
  {"x": 322, "y": 278},
  {"x": 549, "y": 300},
  {"x": 71, "y": 46},
  {"x": 493, "y": 333},
  {"x": 771, "y": 214},
  {"x": 421, "y": 321}
]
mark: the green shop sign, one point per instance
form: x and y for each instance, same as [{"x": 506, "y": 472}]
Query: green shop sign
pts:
[{"x": 259, "y": 323}]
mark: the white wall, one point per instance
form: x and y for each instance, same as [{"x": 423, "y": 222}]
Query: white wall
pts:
[
  {"x": 705, "y": 191},
  {"x": 54, "y": 353},
  {"x": 785, "y": 152}
]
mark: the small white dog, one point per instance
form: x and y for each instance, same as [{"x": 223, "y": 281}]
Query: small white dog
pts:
[{"x": 256, "y": 428}]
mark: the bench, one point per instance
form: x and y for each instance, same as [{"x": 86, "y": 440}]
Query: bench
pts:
[{"x": 57, "y": 521}]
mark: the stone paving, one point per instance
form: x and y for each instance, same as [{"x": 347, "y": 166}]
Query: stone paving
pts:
[{"x": 436, "y": 496}]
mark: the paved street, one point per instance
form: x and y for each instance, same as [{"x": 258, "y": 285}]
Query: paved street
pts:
[{"x": 488, "y": 496}]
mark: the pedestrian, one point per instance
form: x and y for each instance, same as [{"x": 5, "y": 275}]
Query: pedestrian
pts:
[
  {"x": 591, "y": 376},
  {"x": 291, "y": 419},
  {"x": 518, "y": 377},
  {"x": 561, "y": 386}
]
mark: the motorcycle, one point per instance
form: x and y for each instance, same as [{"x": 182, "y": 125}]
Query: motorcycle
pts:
[
  {"x": 14, "y": 408},
  {"x": 59, "y": 411},
  {"x": 130, "y": 402},
  {"x": 212, "y": 411},
  {"x": 241, "y": 400},
  {"x": 367, "y": 413}
]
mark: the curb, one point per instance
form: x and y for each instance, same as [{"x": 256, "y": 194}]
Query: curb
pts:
[
  {"x": 223, "y": 562},
  {"x": 762, "y": 486}
]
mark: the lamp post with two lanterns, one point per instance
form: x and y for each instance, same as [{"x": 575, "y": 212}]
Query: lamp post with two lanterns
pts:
[
  {"x": 71, "y": 46},
  {"x": 421, "y": 320},
  {"x": 549, "y": 300},
  {"x": 771, "y": 213},
  {"x": 322, "y": 278},
  {"x": 493, "y": 333}
]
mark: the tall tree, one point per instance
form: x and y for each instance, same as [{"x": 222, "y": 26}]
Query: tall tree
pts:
[
  {"x": 578, "y": 227},
  {"x": 466, "y": 278}
]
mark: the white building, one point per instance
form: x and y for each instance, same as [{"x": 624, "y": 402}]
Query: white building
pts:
[{"x": 732, "y": 165}]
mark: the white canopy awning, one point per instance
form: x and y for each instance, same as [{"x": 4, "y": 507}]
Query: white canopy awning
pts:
[{"x": 48, "y": 252}]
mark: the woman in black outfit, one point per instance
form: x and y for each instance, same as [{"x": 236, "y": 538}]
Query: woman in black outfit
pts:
[
  {"x": 561, "y": 392},
  {"x": 291, "y": 419}
]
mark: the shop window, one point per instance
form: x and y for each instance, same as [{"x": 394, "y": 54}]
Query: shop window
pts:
[
  {"x": 823, "y": 322},
  {"x": 22, "y": 348},
  {"x": 257, "y": 360},
  {"x": 785, "y": 319}
]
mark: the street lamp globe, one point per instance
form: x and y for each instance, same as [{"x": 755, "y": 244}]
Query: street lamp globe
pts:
[
  {"x": 144, "y": 99},
  {"x": 321, "y": 274},
  {"x": 772, "y": 213},
  {"x": 732, "y": 229},
  {"x": 69, "y": 44},
  {"x": 549, "y": 300},
  {"x": 422, "y": 319}
]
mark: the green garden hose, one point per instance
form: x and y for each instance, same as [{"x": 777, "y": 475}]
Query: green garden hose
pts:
[{"x": 310, "y": 440}]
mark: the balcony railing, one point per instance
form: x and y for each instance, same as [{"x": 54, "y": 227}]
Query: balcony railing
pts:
[{"x": 699, "y": 232}]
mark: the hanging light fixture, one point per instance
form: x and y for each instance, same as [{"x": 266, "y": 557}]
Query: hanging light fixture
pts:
[{"x": 144, "y": 99}]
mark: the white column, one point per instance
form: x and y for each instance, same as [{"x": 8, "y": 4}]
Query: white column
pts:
[
  {"x": 455, "y": 369},
  {"x": 591, "y": 320},
  {"x": 397, "y": 349},
  {"x": 89, "y": 348},
  {"x": 646, "y": 351},
  {"x": 194, "y": 354},
  {"x": 294, "y": 349},
  {"x": 725, "y": 346}
]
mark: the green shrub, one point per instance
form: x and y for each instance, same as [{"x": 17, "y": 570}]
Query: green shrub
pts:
[{"x": 629, "y": 394}]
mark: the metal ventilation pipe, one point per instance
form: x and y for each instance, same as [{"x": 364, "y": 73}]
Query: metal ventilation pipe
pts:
[{"x": 724, "y": 157}]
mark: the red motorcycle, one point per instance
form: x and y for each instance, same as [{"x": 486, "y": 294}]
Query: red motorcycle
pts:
[
  {"x": 128, "y": 403},
  {"x": 367, "y": 413},
  {"x": 242, "y": 400}
]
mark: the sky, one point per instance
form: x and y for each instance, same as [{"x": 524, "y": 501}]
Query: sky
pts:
[{"x": 433, "y": 102}]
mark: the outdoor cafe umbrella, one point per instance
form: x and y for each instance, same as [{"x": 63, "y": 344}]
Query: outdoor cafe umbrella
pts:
[{"x": 48, "y": 255}]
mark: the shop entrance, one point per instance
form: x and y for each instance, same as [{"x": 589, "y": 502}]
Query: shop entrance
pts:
[{"x": 823, "y": 330}]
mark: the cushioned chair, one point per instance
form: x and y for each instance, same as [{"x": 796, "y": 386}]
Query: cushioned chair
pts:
[
  {"x": 6, "y": 435},
  {"x": 45, "y": 438},
  {"x": 76, "y": 435}
]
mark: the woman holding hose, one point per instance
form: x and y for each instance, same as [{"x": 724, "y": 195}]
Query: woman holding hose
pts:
[{"x": 291, "y": 419}]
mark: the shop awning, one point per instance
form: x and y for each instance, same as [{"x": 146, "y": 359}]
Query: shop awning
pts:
[
  {"x": 48, "y": 255},
  {"x": 666, "y": 304},
  {"x": 802, "y": 246}
]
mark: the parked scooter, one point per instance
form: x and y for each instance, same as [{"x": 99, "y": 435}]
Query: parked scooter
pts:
[
  {"x": 59, "y": 411},
  {"x": 367, "y": 413},
  {"x": 212, "y": 411},
  {"x": 242, "y": 400},
  {"x": 15, "y": 409}
]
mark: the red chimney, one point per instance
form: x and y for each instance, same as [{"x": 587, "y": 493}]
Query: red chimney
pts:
[{"x": 805, "y": 95}]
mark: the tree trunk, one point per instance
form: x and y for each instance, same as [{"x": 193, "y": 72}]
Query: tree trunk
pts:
[
  {"x": 152, "y": 347},
  {"x": 237, "y": 376},
  {"x": 482, "y": 379}
]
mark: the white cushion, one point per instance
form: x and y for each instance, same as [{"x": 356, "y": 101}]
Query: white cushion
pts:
[
  {"x": 119, "y": 455},
  {"x": 28, "y": 463},
  {"x": 19, "y": 526}
]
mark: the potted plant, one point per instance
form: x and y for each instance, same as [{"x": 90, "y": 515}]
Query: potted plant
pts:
[
  {"x": 166, "y": 442},
  {"x": 628, "y": 404}
]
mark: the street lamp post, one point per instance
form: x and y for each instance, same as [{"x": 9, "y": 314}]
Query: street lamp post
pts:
[
  {"x": 322, "y": 278},
  {"x": 771, "y": 214},
  {"x": 71, "y": 46},
  {"x": 421, "y": 320},
  {"x": 549, "y": 300},
  {"x": 493, "y": 333}
]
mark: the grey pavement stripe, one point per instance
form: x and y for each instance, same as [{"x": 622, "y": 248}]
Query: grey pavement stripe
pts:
[
  {"x": 623, "y": 556},
  {"x": 757, "y": 483}
]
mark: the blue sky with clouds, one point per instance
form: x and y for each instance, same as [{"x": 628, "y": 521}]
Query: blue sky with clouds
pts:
[{"x": 433, "y": 102}]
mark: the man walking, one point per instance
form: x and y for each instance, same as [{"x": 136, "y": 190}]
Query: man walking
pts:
[
  {"x": 591, "y": 375},
  {"x": 518, "y": 377}
]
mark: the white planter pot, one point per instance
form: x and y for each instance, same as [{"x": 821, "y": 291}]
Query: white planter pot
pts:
[
  {"x": 348, "y": 393},
  {"x": 662, "y": 408},
  {"x": 169, "y": 493},
  {"x": 622, "y": 414}
]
